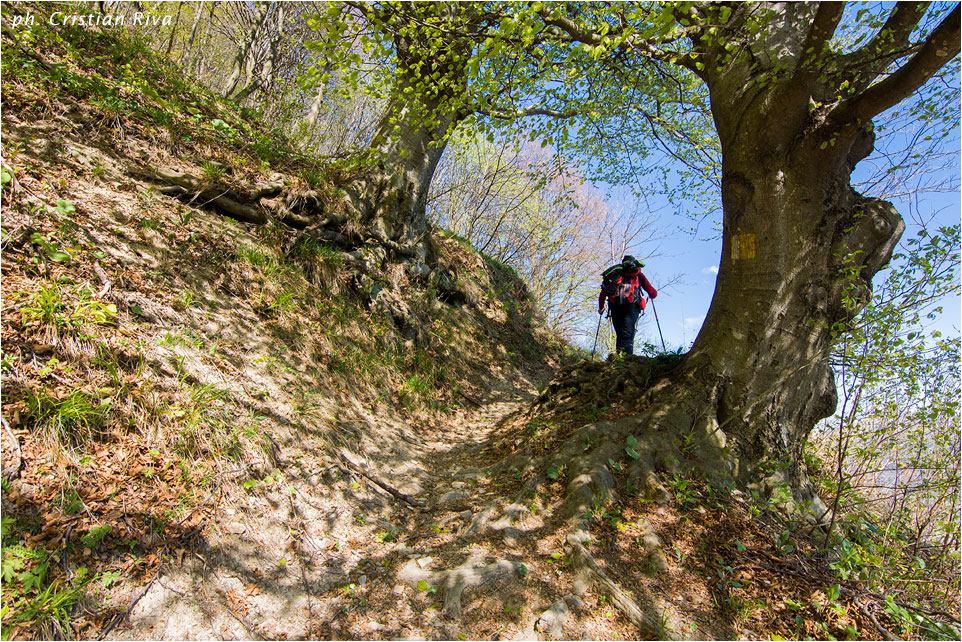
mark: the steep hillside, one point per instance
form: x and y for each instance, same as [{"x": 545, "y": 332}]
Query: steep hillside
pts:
[
  {"x": 222, "y": 420},
  {"x": 174, "y": 378}
]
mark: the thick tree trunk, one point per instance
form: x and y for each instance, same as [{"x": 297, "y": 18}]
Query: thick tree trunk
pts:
[
  {"x": 392, "y": 195},
  {"x": 799, "y": 251},
  {"x": 800, "y": 248}
]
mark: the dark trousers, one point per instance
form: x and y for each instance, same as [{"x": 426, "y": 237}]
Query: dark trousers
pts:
[{"x": 624, "y": 316}]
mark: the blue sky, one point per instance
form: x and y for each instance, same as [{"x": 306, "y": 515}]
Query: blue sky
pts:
[{"x": 682, "y": 305}]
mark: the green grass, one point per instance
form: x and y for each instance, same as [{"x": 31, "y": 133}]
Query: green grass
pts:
[
  {"x": 68, "y": 422},
  {"x": 257, "y": 257},
  {"x": 213, "y": 171},
  {"x": 208, "y": 425},
  {"x": 34, "y": 600},
  {"x": 46, "y": 306},
  {"x": 414, "y": 389}
]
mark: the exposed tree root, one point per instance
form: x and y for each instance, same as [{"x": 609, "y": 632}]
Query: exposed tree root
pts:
[
  {"x": 473, "y": 574},
  {"x": 366, "y": 245},
  {"x": 303, "y": 209},
  {"x": 590, "y": 485},
  {"x": 675, "y": 431},
  {"x": 591, "y": 575},
  {"x": 551, "y": 622}
]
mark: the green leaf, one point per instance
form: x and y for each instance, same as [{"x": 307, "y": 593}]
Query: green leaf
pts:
[
  {"x": 631, "y": 441},
  {"x": 30, "y": 581},
  {"x": 631, "y": 452},
  {"x": 10, "y": 567},
  {"x": 422, "y": 585},
  {"x": 6, "y": 525},
  {"x": 65, "y": 208},
  {"x": 57, "y": 256},
  {"x": 553, "y": 472},
  {"x": 107, "y": 578}
]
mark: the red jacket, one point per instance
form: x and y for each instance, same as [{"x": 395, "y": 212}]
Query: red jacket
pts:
[{"x": 641, "y": 282}]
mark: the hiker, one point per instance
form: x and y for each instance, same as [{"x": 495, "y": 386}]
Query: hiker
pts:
[{"x": 622, "y": 286}]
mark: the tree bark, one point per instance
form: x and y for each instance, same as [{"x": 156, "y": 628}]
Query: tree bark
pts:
[
  {"x": 193, "y": 34},
  {"x": 263, "y": 78},
  {"x": 196, "y": 65},
  {"x": 391, "y": 196},
  {"x": 799, "y": 250},
  {"x": 310, "y": 121},
  {"x": 243, "y": 60},
  {"x": 173, "y": 31}
]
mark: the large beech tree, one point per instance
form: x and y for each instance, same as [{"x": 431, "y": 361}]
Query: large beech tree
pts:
[{"x": 793, "y": 112}]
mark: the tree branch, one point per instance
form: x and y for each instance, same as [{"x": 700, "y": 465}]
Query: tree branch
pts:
[
  {"x": 862, "y": 66},
  {"x": 939, "y": 48},
  {"x": 823, "y": 28},
  {"x": 798, "y": 90},
  {"x": 893, "y": 35},
  {"x": 581, "y": 34},
  {"x": 531, "y": 111},
  {"x": 570, "y": 27}
]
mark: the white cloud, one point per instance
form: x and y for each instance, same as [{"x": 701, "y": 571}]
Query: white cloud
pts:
[
  {"x": 693, "y": 322},
  {"x": 710, "y": 270}
]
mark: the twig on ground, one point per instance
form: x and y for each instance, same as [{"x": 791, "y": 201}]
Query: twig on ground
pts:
[
  {"x": 390, "y": 489},
  {"x": 130, "y": 607},
  {"x": 886, "y": 634}
]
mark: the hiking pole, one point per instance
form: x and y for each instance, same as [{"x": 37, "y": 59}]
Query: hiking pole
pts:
[
  {"x": 596, "y": 338},
  {"x": 652, "y": 302}
]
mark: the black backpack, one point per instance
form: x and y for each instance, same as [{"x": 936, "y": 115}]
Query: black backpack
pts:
[{"x": 619, "y": 287}]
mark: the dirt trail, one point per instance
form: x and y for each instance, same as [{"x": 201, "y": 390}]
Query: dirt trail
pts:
[
  {"x": 325, "y": 561},
  {"x": 454, "y": 443}
]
